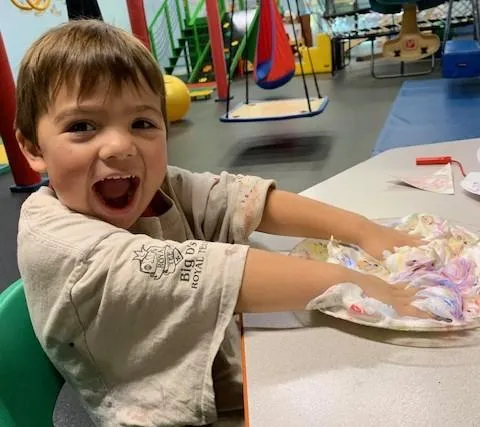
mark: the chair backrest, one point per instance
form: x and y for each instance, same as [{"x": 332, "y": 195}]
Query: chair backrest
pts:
[{"x": 29, "y": 383}]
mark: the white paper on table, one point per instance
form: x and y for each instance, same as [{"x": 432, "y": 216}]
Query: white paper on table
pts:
[
  {"x": 440, "y": 181},
  {"x": 471, "y": 183}
]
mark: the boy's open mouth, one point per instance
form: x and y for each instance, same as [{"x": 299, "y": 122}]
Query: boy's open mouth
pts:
[{"x": 117, "y": 192}]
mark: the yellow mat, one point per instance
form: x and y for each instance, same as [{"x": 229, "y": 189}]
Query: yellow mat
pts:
[
  {"x": 3, "y": 155},
  {"x": 196, "y": 95}
]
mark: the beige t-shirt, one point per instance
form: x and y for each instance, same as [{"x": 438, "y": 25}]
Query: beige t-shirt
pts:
[{"x": 136, "y": 320}]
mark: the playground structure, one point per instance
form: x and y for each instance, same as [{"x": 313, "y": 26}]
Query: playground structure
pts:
[
  {"x": 411, "y": 44},
  {"x": 191, "y": 43},
  {"x": 356, "y": 21},
  {"x": 180, "y": 37},
  {"x": 212, "y": 42},
  {"x": 274, "y": 66}
]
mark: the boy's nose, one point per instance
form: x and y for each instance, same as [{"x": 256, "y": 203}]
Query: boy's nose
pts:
[{"x": 118, "y": 145}]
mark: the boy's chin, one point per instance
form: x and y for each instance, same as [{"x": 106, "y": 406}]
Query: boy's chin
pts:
[{"x": 124, "y": 222}]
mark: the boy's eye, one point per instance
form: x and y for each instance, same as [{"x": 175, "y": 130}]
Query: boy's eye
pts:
[
  {"x": 81, "y": 127},
  {"x": 142, "y": 124}
]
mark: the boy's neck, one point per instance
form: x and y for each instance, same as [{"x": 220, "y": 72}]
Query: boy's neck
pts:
[{"x": 158, "y": 206}]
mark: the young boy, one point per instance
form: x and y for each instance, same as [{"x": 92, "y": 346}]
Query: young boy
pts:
[{"x": 133, "y": 270}]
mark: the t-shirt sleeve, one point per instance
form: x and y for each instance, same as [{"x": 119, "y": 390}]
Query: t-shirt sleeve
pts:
[
  {"x": 158, "y": 310},
  {"x": 225, "y": 207}
]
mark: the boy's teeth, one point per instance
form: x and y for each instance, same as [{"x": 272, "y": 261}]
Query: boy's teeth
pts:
[
  {"x": 118, "y": 177},
  {"x": 114, "y": 188}
]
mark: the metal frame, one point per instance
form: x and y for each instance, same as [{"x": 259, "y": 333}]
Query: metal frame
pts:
[
  {"x": 448, "y": 22},
  {"x": 402, "y": 72}
]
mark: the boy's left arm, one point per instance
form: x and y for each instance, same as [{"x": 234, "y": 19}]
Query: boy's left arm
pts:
[
  {"x": 222, "y": 208},
  {"x": 228, "y": 208},
  {"x": 293, "y": 215}
]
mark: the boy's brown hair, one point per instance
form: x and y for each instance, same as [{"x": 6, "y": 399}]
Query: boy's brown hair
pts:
[{"x": 81, "y": 54}]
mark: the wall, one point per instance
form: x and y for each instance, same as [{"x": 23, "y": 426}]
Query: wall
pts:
[
  {"x": 21, "y": 28},
  {"x": 151, "y": 8},
  {"x": 115, "y": 12},
  {"x": 33, "y": 24}
]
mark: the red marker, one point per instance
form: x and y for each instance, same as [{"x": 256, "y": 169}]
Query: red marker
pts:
[{"x": 440, "y": 160}]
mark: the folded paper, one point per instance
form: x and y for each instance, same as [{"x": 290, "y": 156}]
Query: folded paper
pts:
[{"x": 441, "y": 181}]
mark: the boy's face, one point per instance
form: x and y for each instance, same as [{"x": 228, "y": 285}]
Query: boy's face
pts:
[{"x": 105, "y": 156}]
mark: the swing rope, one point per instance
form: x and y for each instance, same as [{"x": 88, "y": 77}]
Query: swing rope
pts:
[
  {"x": 308, "y": 52},
  {"x": 245, "y": 62},
  {"x": 229, "y": 65},
  {"x": 297, "y": 46}
]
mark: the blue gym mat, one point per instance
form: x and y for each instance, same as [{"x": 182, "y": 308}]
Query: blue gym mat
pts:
[{"x": 428, "y": 111}]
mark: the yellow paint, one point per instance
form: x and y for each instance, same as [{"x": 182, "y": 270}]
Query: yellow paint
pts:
[
  {"x": 320, "y": 55},
  {"x": 3, "y": 155}
]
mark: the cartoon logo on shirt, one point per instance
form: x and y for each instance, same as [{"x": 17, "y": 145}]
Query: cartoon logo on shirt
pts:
[{"x": 158, "y": 260}]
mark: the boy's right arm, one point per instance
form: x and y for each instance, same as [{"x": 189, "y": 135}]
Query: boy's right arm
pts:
[{"x": 275, "y": 282}]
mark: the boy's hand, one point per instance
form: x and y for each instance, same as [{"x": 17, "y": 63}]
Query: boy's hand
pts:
[
  {"x": 398, "y": 296},
  {"x": 379, "y": 238},
  {"x": 275, "y": 282}
]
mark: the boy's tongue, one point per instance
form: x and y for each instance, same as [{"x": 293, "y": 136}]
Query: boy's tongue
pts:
[{"x": 113, "y": 188}]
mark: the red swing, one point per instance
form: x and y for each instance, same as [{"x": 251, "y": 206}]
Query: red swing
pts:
[
  {"x": 274, "y": 60},
  {"x": 274, "y": 66}
]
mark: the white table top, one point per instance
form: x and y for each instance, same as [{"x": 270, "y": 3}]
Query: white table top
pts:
[{"x": 307, "y": 369}]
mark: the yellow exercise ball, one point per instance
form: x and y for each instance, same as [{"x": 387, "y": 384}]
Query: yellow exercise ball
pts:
[{"x": 177, "y": 98}]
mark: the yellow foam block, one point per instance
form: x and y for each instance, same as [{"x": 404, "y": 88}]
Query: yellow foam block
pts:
[
  {"x": 3, "y": 156},
  {"x": 318, "y": 58},
  {"x": 200, "y": 93}
]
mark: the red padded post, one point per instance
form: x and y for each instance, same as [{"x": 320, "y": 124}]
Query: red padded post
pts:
[
  {"x": 26, "y": 179},
  {"x": 217, "y": 46},
  {"x": 138, "y": 22}
]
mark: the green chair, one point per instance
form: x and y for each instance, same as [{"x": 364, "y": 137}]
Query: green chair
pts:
[{"x": 29, "y": 383}]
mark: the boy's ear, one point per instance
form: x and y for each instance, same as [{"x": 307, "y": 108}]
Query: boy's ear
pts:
[{"x": 32, "y": 153}]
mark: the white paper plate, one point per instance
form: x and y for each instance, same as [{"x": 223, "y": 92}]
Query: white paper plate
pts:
[
  {"x": 471, "y": 183},
  {"x": 316, "y": 249}
]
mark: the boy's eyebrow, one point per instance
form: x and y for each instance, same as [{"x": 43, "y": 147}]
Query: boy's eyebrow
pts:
[
  {"x": 142, "y": 108},
  {"x": 73, "y": 111}
]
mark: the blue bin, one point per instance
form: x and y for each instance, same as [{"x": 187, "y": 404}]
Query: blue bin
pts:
[{"x": 461, "y": 58}]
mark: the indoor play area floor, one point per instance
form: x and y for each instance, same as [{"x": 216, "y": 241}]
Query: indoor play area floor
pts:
[{"x": 297, "y": 153}]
